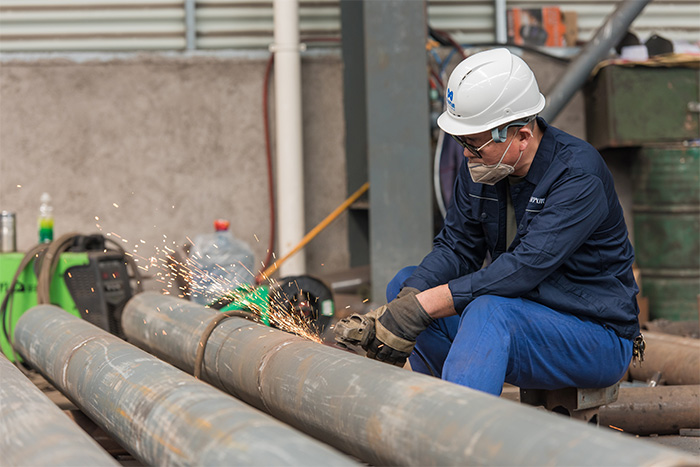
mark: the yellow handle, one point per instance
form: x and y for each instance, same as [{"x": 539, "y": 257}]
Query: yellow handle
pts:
[{"x": 315, "y": 231}]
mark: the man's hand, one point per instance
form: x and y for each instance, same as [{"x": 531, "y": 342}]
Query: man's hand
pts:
[{"x": 397, "y": 325}]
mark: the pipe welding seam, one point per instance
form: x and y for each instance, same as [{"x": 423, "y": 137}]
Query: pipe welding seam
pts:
[
  {"x": 207, "y": 332},
  {"x": 161, "y": 415},
  {"x": 378, "y": 413}
]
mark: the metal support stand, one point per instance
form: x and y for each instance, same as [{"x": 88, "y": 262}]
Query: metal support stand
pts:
[{"x": 578, "y": 403}]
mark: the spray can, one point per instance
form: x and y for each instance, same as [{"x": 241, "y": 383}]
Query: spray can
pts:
[
  {"x": 45, "y": 219},
  {"x": 8, "y": 232}
]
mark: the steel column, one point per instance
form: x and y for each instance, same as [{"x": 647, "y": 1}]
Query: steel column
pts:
[
  {"x": 381, "y": 414},
  {"x": 398, "y": 137},
  {"x": 677, "y": 358},
  {"x": 161, "y": 415},
  {"x": 659, "y": 410},
  {"x": 34, "y": 431}
]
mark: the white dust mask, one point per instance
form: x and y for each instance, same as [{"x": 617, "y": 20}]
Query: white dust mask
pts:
[{"x": 492, "y": 174}]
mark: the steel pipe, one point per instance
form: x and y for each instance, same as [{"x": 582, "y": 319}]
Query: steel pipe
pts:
[
  {"x": 676, "y": 358},
  {"x": 161, "y": 415},
  {"x": 659, "y": 410},
  {"x": 381, "y": 414},
  {"x": 34, "y": 431},
  {"x": 607, "y": 37}
]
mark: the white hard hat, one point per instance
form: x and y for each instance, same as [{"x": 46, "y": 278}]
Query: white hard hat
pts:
[{"x": 489, "y": 89}]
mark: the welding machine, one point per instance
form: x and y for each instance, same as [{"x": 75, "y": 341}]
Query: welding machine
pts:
[{"x": 90, "y": 282}]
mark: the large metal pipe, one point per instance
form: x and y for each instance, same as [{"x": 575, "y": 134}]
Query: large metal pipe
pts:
[
  {"x": 34, "y": 431},
  {"x": 381, "y": 414},
  {"x": 659, "y": 410},
  {"x": 161, "y": 415},
  {"x": 676, "y": 358},
  {"x": 607, "y": 37}
]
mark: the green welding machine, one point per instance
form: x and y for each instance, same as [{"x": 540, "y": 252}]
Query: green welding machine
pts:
[{"x": 90, "y": 281}]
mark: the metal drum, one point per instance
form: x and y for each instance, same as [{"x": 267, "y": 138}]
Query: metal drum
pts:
[{"x": 667, "y": 228}]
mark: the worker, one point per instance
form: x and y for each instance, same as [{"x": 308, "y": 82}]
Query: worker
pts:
[{"x": 530, "y": 280}]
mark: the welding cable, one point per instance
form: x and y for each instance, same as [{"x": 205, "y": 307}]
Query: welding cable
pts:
[
  {"x": 48, "y": 266},
  {"x": 427, "y": 365},
  {"x": 268, "y": 152},
  {"x": 199, "y": 357},
  {"x": 7, "y": 305}
]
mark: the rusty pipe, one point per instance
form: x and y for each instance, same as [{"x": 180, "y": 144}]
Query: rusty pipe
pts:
[
  {"x": 676, "y": 358},
  {"x": 381, "y": 414},
  {"x": 659, "y": 410},
  {"x": 161, "y": 415},
  {"x": 34, "y": 431}
]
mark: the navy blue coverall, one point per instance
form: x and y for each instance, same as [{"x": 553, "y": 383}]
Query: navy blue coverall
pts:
[{"x": 556, "y": 307}]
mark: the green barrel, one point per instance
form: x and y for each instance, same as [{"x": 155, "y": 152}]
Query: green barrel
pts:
[{"x": 667, "y": 228}]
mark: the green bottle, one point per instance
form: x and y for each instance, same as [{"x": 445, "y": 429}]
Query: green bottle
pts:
[{"x": 45, "y": 219}]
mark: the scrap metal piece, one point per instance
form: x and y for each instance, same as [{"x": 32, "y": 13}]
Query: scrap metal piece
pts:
[
  {"x": 161, "y": 415},
  {"x": 380, "y": 414},
  {"x": 34, "y": 431}
]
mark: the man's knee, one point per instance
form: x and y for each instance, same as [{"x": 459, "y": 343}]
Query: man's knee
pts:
[{"x": 490, "y": 306}]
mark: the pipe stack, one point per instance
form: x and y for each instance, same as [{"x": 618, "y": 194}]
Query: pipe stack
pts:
[
  {"x": 161, "y": 415},
  {"x": 381, "y": 414},
  {"x": 34, "y": 431}
]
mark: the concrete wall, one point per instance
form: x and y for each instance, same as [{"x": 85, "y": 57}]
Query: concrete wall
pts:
[
  {"x": 153, "y": 148},
  {"x": 158, "y": 146}
]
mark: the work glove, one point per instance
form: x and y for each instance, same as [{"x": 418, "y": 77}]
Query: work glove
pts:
[
  {"x": 407, "y": 291},
  {"x": 397, "y": 325}
]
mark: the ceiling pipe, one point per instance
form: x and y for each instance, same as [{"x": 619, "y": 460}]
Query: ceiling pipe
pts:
[
  {"x": 289, "y": 144},
  {"x": 34, "y": 431},
  {"x": 500, "y": 17},
  {"x": 607, "y": 37},
  {"x": 161, "y": 415},
  {"x": 379, "y": 413}
]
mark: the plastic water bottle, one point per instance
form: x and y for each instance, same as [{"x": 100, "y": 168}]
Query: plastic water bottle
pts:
[
  {"x": 220, "y": 263},
  {"x": 45, "y": 219}
]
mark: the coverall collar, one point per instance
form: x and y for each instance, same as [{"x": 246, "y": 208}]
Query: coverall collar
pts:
[{"x": 545, "y": 152}]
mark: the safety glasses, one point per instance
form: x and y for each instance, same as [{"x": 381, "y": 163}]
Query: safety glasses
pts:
[{"x": 473, "y": 149}]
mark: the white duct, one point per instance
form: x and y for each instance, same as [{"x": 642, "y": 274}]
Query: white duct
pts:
[
  {"x": 501, "y": 27},
  {"x": 290, "y": 163}
]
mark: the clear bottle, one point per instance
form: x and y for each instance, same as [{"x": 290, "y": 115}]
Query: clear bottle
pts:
[
  {"x": 45, "y": 219},
  {"x": 220, "y": 263}
]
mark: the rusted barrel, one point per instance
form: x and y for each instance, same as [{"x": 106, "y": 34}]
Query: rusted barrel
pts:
[{"x": 666, "y": 225}]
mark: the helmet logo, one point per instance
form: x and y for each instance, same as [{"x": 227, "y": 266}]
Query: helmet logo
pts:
[{"x": 450, "y": 96}]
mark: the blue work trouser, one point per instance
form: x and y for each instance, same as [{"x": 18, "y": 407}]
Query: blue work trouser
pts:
[{"x": 518, "y": 341}]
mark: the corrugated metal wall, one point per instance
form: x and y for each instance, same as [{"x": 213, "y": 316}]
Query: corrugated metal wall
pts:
[{"x": 118, "y": 25}]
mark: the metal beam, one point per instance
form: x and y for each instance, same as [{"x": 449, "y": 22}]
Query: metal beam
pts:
[
  {"x": 381, "y": 414},
  {"x": 34, "y": 431},
  {"x": 398, "y": 137},
  {"x": 161, "y": 415}
]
